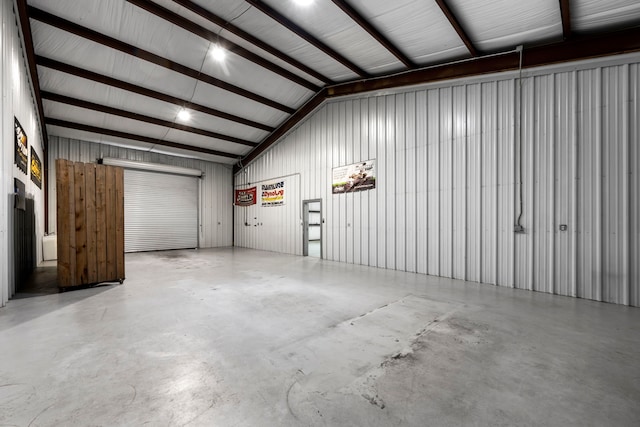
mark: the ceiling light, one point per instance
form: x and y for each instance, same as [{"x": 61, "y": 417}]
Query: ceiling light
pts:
[
  {"x": 183, "y": 115},
  {"x": 304, "y": 2},
  {"x": 218, "y": 53}
]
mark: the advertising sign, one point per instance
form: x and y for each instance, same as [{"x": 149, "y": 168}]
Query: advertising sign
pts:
[
  {"x": 246, "y": 196},
  {"x": 273, "y": 194},
  {"x": 356, "y": 177},
  {"x": 22, "y": 147},
  {"x": 36, "y": 168}
]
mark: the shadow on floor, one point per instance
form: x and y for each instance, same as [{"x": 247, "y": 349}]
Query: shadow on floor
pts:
[
  {"x": 43, "y": 284},
  {"x": 43, "y": 281}
]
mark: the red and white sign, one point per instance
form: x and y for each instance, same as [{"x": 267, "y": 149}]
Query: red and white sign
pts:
[{"x": 245, "y": 197}]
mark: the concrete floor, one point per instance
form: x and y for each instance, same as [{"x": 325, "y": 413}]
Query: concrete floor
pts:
[{"x": 234, "y": 337}]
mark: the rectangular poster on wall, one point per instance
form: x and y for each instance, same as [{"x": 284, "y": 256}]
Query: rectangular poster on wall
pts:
[
  {"x": 22, "y": 147},
  {"x": 245, "y": 196},
  {"x": 355, "y": 177},
  {"x": 36, "y": 168},
  {"x": 273, "y": 194}
]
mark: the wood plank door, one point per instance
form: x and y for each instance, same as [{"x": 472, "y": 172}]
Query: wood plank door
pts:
[{"x": 90, "y": 223}]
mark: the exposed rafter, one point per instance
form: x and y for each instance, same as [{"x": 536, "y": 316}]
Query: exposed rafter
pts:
[
  {"x": 565, "y": 12},
  {"x": 193, "y": 28},
  {"x": 373, "y": 32},
  {"x": 134, "y": 137},
  {"x": 105, "y": 40},
  {"x": 572, "y": 50},
  {"x": 293, "y": 120},
  {"x": 110, "y": 81},
  {"x": 290, "y": 25},
  {"x": 140, "y": 117},
  {"x": 33, "y": 72},
  {"x": 456, "y": 25},
  {"x": 31, "y": 59},
  {"x": 210, "y": 16}
]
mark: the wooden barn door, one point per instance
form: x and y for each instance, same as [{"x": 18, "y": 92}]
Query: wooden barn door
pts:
[{"x": 90, "y": 223}]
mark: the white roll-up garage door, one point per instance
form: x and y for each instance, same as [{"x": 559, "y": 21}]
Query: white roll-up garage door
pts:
[{"x": 160, "y": 211}]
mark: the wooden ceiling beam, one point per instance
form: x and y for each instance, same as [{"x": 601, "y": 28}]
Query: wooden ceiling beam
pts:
[
  {"x": 128, "y": 49},
  {"x": 296, "y": 118},
  {"x": 458, "y": 27},
  {"x": 212, "y": 37},
  {"x": 141, "y": 117},
  {"x": 110, "y": 81},
  {"x": 565, "y": 13},
  {"x": 33, "y": 69},
  {"x": 227, "y": 26},
  {"x": 25, "y": 25},
  {"x": 373, "y": 32},
  {"x": 300, "y": 32},
  {"x": 578, "y": 48},
  {"x": 134, "y": 137}
]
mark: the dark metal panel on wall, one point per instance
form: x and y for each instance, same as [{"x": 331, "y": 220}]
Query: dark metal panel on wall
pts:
[{"x": 24, "y": 232}]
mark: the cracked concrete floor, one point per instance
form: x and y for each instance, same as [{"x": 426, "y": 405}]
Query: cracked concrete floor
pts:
[{"x": 236, "y": 337}]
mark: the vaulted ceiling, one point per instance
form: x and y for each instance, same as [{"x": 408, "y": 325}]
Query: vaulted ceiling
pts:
[{"x": 124, "y": 72}]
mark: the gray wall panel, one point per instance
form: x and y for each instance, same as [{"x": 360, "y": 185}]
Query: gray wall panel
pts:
[
  {"x": 216, "y": 192},
  {"x": 453, "y": 160},
  {"x": 634, "y": 184}
]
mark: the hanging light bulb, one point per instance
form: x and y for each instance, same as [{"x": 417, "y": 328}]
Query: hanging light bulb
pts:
[
  {"x": 218, "y": 53},
  {"x": 304, "y": 2}
]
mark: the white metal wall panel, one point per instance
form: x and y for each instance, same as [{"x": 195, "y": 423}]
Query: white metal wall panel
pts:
[
  {"x": 474, "y": 172},
  {"x": 432, "y": 163},
  {"x": 216, "y": 227},
  {"x": 634, "y": 185},
  {"x": 160, "y": 211},
  {"x": 590, "y": 188},
  {"x": 489, "y": 180},
  {"x": 17, "y": 101},
  {"x": 449, "y": 172},
  {"x": 615, "y": 128}
]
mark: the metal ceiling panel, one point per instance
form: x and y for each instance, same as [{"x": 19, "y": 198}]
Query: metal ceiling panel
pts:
[
  {"x": 206, "y": 94},
  {"x": 242, "y": 72},
  {"x": 227, "y": 34},
  {"x": 61, "y": 83},
  {"x": 55, "y": 110},
  {"x": 418, "y": 27},
  {"x": 59, "y": 44},
  {"x": 589, "y": 15},
  {"x": 204, "y": 142},
  {"x": 110, "y": 13},
  {"x": 130, "y": 24},
  {"x": 70, "y": 113},
  {"x": 71, "y": 49},
  {"x": 329, "y": 24},
  {"x": 162, "y": 38},
  {"x": 263, "y": 27},
  {"x": 95, "y": 137},
  {"x": 65, "y": 47},
  {"x": 74, "y": 50},
  {"x": 498, "y": 25},
  {"x": 262, "y": 89},
  {"x": 136, "y": 145}
]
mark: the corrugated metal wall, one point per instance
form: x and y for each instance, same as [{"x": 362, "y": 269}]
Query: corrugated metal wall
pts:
[
  {"x": 275, "y": 229},
  {"x": 216, "y": 188},
  {"x": 18, "y": 101},
  {"x": 452, "y": 162}
]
